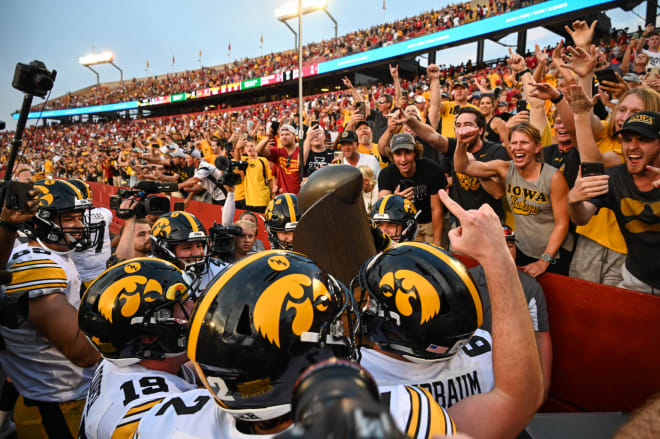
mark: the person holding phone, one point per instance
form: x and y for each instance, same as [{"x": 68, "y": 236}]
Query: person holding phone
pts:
[
  {"x": 631, "y": 192},
  {"x": 417, "y": 179}
]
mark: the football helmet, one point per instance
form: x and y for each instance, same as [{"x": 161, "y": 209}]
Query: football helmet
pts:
[
  {"x": 261, "y": 323},
  {"x": 398, "y": 210},
  {"x": 418, "y": 301},
  {"x": 281, "y": 215},
  {"x": 179, "y": 227},
  {"x": 132, "y": 300},
  {"x": 83, "y": 187},
  {"x": 57, "y": 197}
]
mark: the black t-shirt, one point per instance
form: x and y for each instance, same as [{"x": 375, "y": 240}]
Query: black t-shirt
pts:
[
  {"x": 568, "y": 162},
  {"x": 638, "y": 216},
  {"x": 317, "y": 160},
  {"x": 466, "y": 190},
  {"x": 379, "y": 124},
  {"x": 428, "y": 180}
]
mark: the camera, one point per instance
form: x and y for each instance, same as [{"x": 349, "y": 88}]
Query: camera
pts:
[
  {"x": 221, "y": 241},
  {"x": 147, "y": 204},
  {"x": 33, "y": 78},
  {"x": 228, "y": 168},
  {"x": 338, "y": 398}
]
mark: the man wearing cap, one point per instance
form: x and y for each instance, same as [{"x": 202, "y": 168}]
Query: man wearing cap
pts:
[
  {"x": 347, "y": 143},
  {"x": 632, "y": 191},
  {"x": 445, "y": 112},
  {"x": 418, "y": 179},
  {"x": 285, "y": 158},
  {"x": 366, "y": 144}
]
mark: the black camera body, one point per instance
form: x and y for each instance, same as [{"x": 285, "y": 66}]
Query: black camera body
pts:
[
  {"x": 147, "y": 204},
  {"x": 33, "y": 78},
  {"x": 221, "y": 241},
  {"x": 338, "y": 398},
  {"x": 228, "y": 168}
]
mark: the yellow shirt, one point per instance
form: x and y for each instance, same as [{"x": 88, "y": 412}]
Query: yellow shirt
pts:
[
  {"x": 257, "y": 191},
  {"x": 448, "y": 117},
  {"x": 603, "y": 227},
  {"x": 362, "y": 149}
]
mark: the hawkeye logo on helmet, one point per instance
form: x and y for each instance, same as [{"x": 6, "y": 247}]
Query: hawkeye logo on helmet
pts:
[
  {"x": 161, "y": 227},
  {"x": 46, "y": 198},
  {"x": 412, "y": 293},
  {"x": 278, "y": 263},
  {"x": 296, "y": 293},
  {"x": 126, "y": 292}
]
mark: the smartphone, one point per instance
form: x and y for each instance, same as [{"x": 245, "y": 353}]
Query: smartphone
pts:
[
  {"x": 521, "y": 105},
  {"x": 606, "y": 74},
  {"x": 360, "y": 108},
  {"x": 17, "y": 194},
  {"x": 592, "y": 168},
  {"x": 652, "y": 71},
  {"x": 339, "y": 157},
  {"x": 275, "y": 126},
  {"x": 405, "y": 183}
]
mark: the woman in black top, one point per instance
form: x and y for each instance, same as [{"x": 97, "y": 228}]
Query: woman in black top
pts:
[{"x": 495, "y": 128}]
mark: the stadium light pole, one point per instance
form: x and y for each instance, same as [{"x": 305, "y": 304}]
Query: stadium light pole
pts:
[
  {"x": 300, "y": 93},
  {"x": 100, "y": 58},
  {"x": 290, "y": 11}
]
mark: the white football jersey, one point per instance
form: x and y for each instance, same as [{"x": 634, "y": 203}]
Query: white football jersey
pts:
[
  {"x": 92, "y": 262},
  {"x": 468, "y": 372},
  {"x": 215, "y": 266},
  {"x": 190, "y": 415},
  {"x": 37, "y": 368},
  {"x": 119, "y": 396},
  {"x": 415, "y": 412}
]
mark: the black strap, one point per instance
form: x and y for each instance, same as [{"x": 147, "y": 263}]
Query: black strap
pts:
[{"x": 52, "y": 418}]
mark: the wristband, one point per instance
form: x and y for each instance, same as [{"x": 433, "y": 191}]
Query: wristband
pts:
[
  {"x": 13, "y": 228},
  {"x": 522, "y": 72},
  {"x": 558, "y": 98}
]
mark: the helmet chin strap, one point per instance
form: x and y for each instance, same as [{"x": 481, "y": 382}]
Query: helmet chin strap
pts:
[{"x": 45, "y": 247}]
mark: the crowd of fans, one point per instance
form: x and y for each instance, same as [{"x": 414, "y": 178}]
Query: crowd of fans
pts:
[
  {"x": 570, "y": 164},
  {"x": 359, "y": 41}
]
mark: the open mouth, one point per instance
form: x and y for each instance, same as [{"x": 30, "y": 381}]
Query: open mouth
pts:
[{"x": 635, "y": 159}]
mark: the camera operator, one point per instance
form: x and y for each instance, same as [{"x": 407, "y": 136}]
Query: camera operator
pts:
[{"x": 134, "y": 241}]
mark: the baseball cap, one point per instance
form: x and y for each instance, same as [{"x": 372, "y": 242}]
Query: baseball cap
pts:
[
  {"x": 460, "y": 84},
  {"x": 420, "y": 99},
  {"x": 289, "y": 128},
  {"x": 646, "y": 123},
  {"x": 402, "y": 141},
  {"x": 631, "y": 77},
  {"x": 509, "y": 234},
  {"x": 360, "y": 123},
  {"x": 347, "y": 137},
  {"x": 178, "y": 153}
]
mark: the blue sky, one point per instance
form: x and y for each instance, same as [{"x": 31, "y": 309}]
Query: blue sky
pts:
[{"x": 58, "y": 32}]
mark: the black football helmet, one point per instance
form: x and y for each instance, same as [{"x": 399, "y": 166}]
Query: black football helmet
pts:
[
  {"x": 281, "y": 215},
  {"x": 57, "y": 197},
  {"x": 132, "y": 300},
  {"x": 422, "y": 302},
  {"x": 261, "y": 323},
  {"x": 398, "y": 210},
  {"x": 179, "y": 227},
  {"x": 82, "y": 186}
]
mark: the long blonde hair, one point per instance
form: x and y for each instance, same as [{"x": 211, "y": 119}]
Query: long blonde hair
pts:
[{"x": 648, "y": 96}]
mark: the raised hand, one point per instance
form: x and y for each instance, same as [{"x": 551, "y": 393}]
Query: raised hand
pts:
[
  {"x": 580, "y": 61},
  {"x": 578, "y": 100},
  {"x": 581, "y": 34}
]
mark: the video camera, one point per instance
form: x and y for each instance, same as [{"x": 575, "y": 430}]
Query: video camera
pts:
[
  {"x": 228, "y": 168},
  {"x": 146, "y": 204},
  {"x": 221, "y": 241},
  {"x": 337, "y": 398}
]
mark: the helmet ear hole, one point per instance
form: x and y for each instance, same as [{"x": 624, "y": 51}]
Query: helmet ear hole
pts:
[{"x": 244, "y": 327}]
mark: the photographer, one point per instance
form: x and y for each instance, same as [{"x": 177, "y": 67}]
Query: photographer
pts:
[{"x": 134, "y": 239}]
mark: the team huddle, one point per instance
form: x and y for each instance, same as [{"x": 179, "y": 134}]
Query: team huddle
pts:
[{"x": 189, "y": 347}]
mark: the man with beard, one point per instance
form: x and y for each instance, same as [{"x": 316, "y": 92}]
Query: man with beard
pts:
[
  {"x": 347, "y": 143},
  {"x": 365, "y": 142},
  {"x": 634, "y": 196},
  {"x": 285, "y": 158}
]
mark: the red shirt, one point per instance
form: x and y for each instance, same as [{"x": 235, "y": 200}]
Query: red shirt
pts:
[{"x": 287, "y": 169}]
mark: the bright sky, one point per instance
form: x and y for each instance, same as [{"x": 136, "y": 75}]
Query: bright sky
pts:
[{"x": 59, "y": 32}]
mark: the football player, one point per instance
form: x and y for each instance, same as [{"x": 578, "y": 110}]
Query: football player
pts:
[
  {"x": 258, "y": 326},
  {"x": 396, "y": 216},
  {"x": 47, "y": 357},
  {"x": 136, "y": 315},
  {"x": 421, "y": 310},
  {"x": 92, "y": 262},
  {"x": 180, "y": 238},
  {"x": 281, "y": 218}
]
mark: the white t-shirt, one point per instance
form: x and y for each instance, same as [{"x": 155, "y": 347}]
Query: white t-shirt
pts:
[
  {"x": 654, "y": 58},
  {"x": 92, "y": 262},
  {"x": 203, "y": 172},
  {"x": 369, "y": 160}
]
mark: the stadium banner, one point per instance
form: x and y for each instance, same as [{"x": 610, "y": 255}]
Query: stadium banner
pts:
[
  {"x": 309, "y": 70},
  {"x": 251, "y": 83},
  {"x": 203, "y": 93},
  {"x": 160, "y": 100},
  {"x": 271, "y": 79},
  {"x": 82, "y": 110},
  {"x": 215, "y": 91},
  {"x": 179, "y": 97},
  {"x": 523, "y": 16}
]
